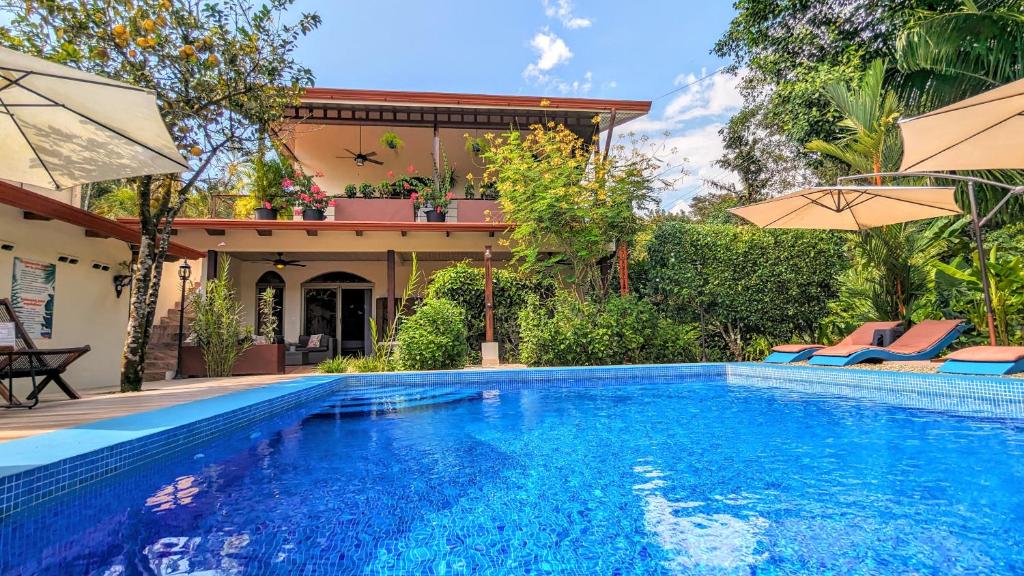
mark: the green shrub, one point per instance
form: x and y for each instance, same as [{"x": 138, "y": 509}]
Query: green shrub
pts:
[
  {"x": 464, "y": 284},
  {"x": 434, "y": 338},
  {"x": 624, "y": 330},
  {"x": 336, "y": 365},
  {"x": 742, "y": 284}
]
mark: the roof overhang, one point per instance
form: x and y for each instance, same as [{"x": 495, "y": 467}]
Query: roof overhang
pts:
[
  {"x": 46, "y": 207},
  {"x": 464, "y": 111}
]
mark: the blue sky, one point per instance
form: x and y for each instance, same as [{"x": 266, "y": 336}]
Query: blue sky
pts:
[{"x": 609, "y": 49}]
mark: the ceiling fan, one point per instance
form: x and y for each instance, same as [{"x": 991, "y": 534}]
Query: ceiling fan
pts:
[
  {"x": 280, "y": 263},
  {"x": 359, "y": 157}
]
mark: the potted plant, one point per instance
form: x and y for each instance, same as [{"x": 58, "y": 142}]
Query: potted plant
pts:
[
  {"x": 366, "y": 190},
  {"x": 263, "y": 173},
  {"x": 470, "y": 191},
  {"x": 391, "y": 141},
  {"x": 351, "y": 190},
  {"x": 437, "y": 194},
  {"x": 306, "y": 195},
  {"x": 475, "y": 146}
]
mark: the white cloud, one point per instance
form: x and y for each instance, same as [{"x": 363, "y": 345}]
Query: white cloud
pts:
[
  {"x": 562, "y": 10},
  {"x": 711, "y": 97},
  {"x": 695, "y": 151},
  {"x": 551, "y": 51},
  {"x": 577, "y": 87}
]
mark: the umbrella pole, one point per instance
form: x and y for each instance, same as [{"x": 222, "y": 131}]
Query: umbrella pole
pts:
[{"x": 982, "y": 264}]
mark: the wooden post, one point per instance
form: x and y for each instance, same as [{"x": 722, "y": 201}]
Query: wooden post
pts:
[
  {"x": 212, "y": 258},
  {"x": 488, "y": 297},
  {"x": 391, "y": 287},
  {"x": 979, "y": 240},
  {"x": 623, "y": 254},
  {"x": 608, "y": 139}
]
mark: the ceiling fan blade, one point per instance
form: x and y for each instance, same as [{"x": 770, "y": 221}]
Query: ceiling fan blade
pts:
[
  {"x": 345, "y": 157},
  {"x": 370, "y": 154},
  {"x": 298, "y": 265},
  {"x": 351, "y": 152},
  {"x": 377, "y": 162}
]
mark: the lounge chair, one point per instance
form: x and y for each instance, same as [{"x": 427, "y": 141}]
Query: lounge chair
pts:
[
  {"x": 985, "y": 360},
  {"x": 870, "y": 334},
  {"x": 27, "y": 361},
  {"x": 924, "y": 341}
]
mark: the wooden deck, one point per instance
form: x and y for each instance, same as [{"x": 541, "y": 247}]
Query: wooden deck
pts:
[{"x": 56, "y": 412}]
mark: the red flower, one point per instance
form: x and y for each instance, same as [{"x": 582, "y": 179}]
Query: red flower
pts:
[
  {"x": 406, "y": 185},
  {"x": 449, "y": 196},
  {"x": 411, "y": 169},
  {"x": 437, "y": 208},
  {"x": 286, "y": 183},
  {"x": 304, "y": 198},
  {"x": 315, "y": 189},
  {"x": 267, "y": 206},
  {"x": 414, "y": 196},
  {"x": 298, "y": 211},
  {"x": 332, "y": 203},
  {"x": 391, "y": 174}
]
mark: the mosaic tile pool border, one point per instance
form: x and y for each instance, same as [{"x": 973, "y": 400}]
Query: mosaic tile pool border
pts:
[{"x": 144, "y": 437}]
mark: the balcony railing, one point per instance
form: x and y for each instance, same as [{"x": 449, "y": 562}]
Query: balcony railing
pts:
[{"x": 381, "y": 209}]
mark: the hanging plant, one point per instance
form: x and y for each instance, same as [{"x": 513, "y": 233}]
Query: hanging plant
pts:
[
  {"x": 476, "y": 146},
  {"x": 391, "y": 141}
]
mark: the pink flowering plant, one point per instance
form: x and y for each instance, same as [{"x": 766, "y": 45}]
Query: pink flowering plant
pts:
[{"x": 305, "y": 192}]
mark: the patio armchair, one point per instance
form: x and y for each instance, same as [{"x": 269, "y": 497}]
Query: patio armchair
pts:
[{"x": 28, "y": 361}]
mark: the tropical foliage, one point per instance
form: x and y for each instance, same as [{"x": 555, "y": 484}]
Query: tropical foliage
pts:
[
  {"x": 567, "y": 201},
  {"x": 222, "y": 72},
  {"x": 434, "y": 338}
]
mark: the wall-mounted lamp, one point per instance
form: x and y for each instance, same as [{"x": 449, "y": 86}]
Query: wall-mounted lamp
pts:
[
  {"x": 67, "y": 259},
  {"x": 121, "y": 281},
  {"x": 101, "y": 266},
  {"x": 6, "y": 246}
]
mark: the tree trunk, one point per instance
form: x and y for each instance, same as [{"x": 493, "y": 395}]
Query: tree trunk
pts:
[{"x": 133, "y": 357}]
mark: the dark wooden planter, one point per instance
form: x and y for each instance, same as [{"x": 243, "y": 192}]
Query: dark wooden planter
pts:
[
  {"x": 374, "y": 210},
  {"x": 266, "y": 214},
  {"x": 479, "y": 211},
  {"x": 312, "y": 214},
  {"x": 258, "y": 359},
  {"x": 435, "y": 216}
]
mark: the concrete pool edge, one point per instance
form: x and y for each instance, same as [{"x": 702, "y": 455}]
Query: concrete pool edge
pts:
[{"x": 37, "y": 468}]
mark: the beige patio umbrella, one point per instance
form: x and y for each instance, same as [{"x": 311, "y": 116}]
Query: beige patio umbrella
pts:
[
  {"x": 850, "y": 207},
  {"x": 60, "y": 127},
  {"x": 984, "y": 132}
]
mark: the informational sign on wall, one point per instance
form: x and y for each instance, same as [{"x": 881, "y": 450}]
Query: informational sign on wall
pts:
[
  {"x": 32, "y": 294},
  {"x": 7, "y": 336}
]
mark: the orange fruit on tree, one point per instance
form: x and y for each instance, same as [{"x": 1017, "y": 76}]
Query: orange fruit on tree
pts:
[{"x": 195, "y": 150}]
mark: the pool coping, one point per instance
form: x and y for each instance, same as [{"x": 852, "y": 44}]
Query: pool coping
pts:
[{"x": 43, "y": 466}]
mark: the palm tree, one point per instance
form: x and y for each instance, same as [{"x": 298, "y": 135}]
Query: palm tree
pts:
[
  {"x": 945, "y": 57},
  {"x": 870, "y": 141},
  {"x": 948, "y": 56},
  {"x": 892, "y": 268}
]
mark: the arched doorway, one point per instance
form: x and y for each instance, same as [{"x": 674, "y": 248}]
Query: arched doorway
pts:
[
  {"x": 337, "y": 304},
  {"x": 272, "y": 280}
]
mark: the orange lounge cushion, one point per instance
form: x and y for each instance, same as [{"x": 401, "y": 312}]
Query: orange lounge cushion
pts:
[
  {"x": 988, "y": 354},
  {"x": 865, "y": 334},
  {"x": 845, "y": 349},
  {"x": 793, "y": 348},
  {"x": 923, "y": 336}
]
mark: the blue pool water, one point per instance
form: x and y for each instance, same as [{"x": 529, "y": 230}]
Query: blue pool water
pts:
[{"x": 670, "y": 477}]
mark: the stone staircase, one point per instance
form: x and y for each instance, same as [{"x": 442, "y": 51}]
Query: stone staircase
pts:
[{"x": 162, "y": 353}]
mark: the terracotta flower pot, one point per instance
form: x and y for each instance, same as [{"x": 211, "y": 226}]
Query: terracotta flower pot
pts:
[
  {"x": 312, "y": 214},
  {"x": 266, "y": 214}
]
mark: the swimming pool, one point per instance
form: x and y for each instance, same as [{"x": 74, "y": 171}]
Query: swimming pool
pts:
[{"x": 662, "y": 476}]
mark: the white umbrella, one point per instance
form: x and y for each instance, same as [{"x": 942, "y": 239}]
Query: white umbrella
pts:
[
  {"x": 984, "y": 132},
  {"x": 60, "y": 127},
  {"x": 851, "y": 207}
]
